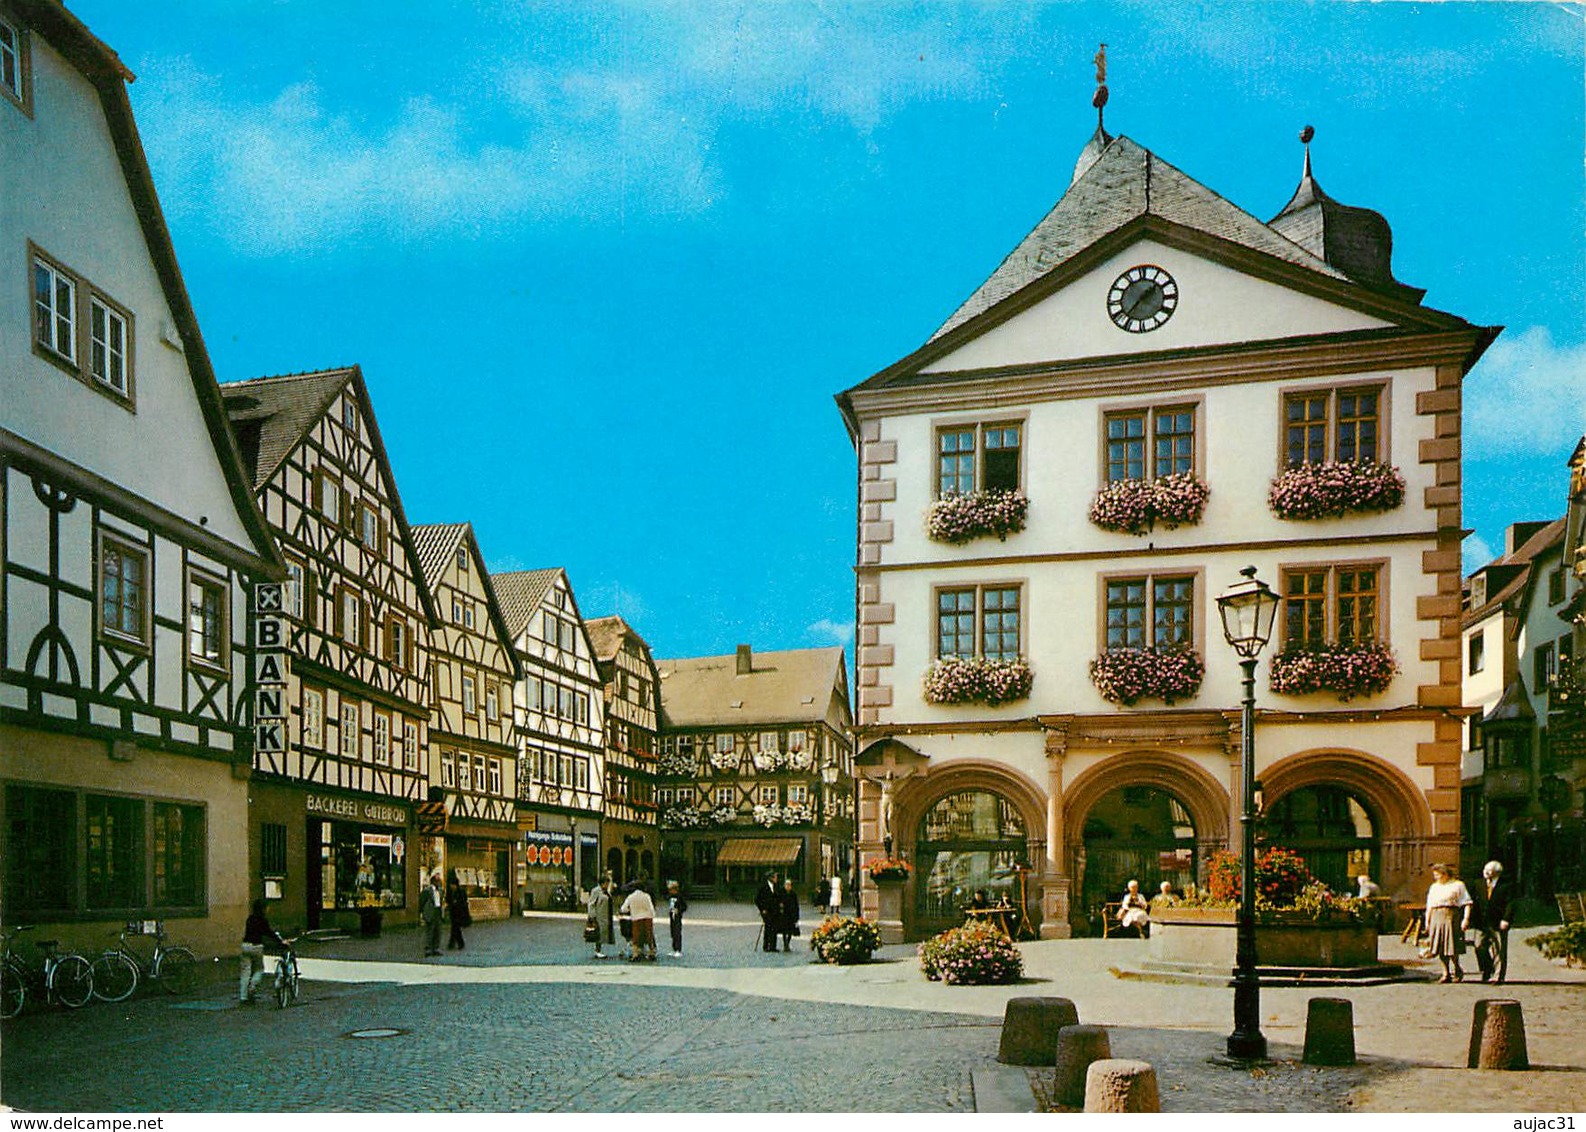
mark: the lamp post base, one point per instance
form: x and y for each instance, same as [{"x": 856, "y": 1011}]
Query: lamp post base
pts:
[{"x": 1247, "y": 1047}]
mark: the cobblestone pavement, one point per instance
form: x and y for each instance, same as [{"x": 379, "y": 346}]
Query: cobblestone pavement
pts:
[{"x": 530, "y": 1022}]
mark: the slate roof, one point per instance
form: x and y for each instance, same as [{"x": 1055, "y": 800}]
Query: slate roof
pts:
[
  {"x": 1512, "y": 571},
  {"x": 793, "y": 686},
  {"x": 436, "y": 544},
  {"x": 520, "y": 593},
  {"x": 1125, "y": 182},
  {"x": 271, "y": 414}
]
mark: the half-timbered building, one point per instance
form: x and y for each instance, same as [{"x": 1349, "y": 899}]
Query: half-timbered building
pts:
[
  {"x": 1153, "y": 390},
  {"x": 128, "y": 533},
  {"x": 342, "y": 664},
  {"x": 756, "y": 769},
  {"x": 556, "y": 706},
  {"x": 632, "y": 721},
  {"x": 473, "y": 763}
]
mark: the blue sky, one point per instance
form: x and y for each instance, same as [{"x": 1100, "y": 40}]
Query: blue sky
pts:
[{"x": 605, "y": 265}]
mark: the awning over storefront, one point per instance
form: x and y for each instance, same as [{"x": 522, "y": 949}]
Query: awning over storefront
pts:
[{"x": 759, "y": 851}]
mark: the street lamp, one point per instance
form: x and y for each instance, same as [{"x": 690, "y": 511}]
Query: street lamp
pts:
[{"x": 1248, "y": 609}]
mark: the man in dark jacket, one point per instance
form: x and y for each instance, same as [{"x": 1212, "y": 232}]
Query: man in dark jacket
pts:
[
  {"x": 768, "y": 901},
  {"x": 788, "y": 913},
  {"x": 1491, "y": 920}
]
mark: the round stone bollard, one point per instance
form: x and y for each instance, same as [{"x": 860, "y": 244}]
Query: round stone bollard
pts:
[
  {"x": 1115, "y": 1085},
  {"x": 1497, "y": 1035},
  {"x": 1330, "y": 1032},
  {"x": 1030, "y": 1027},
  {"x": 1077, "y": 1048}
]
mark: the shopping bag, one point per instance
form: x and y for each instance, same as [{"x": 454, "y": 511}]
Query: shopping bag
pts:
[{"x": 591, "y": 930}]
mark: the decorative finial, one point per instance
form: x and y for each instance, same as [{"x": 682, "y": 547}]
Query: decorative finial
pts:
[
  {"x": 1306, "y": 135},
  {"x": 1099, "y": 100}
]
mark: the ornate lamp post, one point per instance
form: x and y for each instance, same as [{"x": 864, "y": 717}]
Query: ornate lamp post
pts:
[{"x": 1248, "y": 609}]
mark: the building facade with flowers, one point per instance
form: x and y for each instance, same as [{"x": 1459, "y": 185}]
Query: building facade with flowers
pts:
[
  {"x": 629, "y": 828},
  {"x": 755, "y": 770},
  {"x": 1153, "y": 390}
]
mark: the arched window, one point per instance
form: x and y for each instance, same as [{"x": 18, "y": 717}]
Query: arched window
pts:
[
  {"x": 966, "y": 842},
  {"x": 1136, "y": 833}
]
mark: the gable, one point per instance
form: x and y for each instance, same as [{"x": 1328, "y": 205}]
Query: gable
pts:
[{"x": 1218, "y": 304}]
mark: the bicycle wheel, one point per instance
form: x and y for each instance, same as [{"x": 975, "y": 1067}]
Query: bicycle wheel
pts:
[
  {"x": 13, "y": 991},
  {"x": 115, "y": 977},
  {"x": 283, "y": 980},
  {"x": 72, "y": 981},
  {"x": 178, "y": 970}
]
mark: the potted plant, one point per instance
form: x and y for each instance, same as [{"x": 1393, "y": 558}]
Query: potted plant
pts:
[
  {"x": 845, "y": 940},
  {"x": 1126, "y": 676},
  {"x": 887, "y": 868},
  {"x": 976, "y": 679},
  {"x": 1334, "y": 489},
  {"x": 958, "y": 518},
  {"x": 973, "y": 955},
  {"x": 1347, "y": 670},
  {"x": 1134, "y": 507}
]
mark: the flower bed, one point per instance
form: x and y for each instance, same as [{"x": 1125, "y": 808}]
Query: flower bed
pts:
[
  {"x": 845, "y": 940},
  {"x": 1347, "y": 671},
  {"x": 1332, "y": 490},
  {"x": 962, "y": 518},
  {"x": 1133, "y": 507},
  {"x": 973, "y": 679},
  {"x": 973, "y": 955},
  {"x": 1125, "y": 676}
]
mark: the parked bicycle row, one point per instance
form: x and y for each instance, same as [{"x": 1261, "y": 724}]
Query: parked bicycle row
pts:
[{"x": 67, "y": 978}]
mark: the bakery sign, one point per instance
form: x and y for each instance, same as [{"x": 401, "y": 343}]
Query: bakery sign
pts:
[
  {"x": 378, "y": 813},
  {"x": 269, "y": 669}
]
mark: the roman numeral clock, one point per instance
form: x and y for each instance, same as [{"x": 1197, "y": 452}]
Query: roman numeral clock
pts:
[{"x": 1142, "y": 299}]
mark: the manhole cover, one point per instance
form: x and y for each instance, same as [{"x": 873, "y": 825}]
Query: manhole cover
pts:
[{"x": 375, "y": 1032}]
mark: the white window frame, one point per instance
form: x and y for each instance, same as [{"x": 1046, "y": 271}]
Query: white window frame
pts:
[
  {"x": 770, "y": 743},
  {"x": 470, "y": 700},
  {"x": 294, "y": 589},
  {"x": 59, "y": 321},
  {"x": 350, "y": 741},
  {"x": 369, "y": 527},
  {"x": 115, "y": 342},
  {"x": 465, "y": 772},
  {"x": 795, "y": 742},
  {"x": 410, "y": 747},
  {"x": 564, "y": 769},
  {"x": 468, "y": 615},
  {"x": 495, "y": 777},
  {"x": 798, "y": 794},
  {"x": 331, "y": 499},
  {"x": 448, "y": 771},
  {"x": 685, "y": 794},
  {"x": 726, "y": 742},
  {"x": 382, "y": 739},
  {"x": 351, "y": 618},
  {"x": 726, "y": 796},
  {"x": 492, "y": 702},
  {"x": 13, "y": 62},
  {"x": 398, "y": 636},
  {"x": 580, "y": 774},
  {"x": 199, "y": 584},
  {"x": 767, "y": 794},
  {"x": 313, "y": 718},
  {"x": 462, "y": 558},
  {"x": 127, "y": 550}
]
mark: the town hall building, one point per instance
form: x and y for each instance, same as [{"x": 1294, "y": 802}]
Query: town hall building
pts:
[{"x": 1154, "y": 390}]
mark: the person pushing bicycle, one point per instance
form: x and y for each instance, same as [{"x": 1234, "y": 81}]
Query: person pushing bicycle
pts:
[{"x": 251, "y": 966}]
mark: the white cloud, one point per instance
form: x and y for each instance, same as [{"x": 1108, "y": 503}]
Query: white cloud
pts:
[
  {"x": 1475, "y": 553},
  {"x": 837, "y": 632},
  {"x": 1526, "y": 396}
]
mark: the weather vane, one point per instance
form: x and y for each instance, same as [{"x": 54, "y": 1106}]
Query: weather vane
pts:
[
  {"x": 1100, "y": 98},
  {"x": 1306, "y": 135}
]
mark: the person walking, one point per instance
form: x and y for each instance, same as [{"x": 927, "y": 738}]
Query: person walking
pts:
[
  {"x": 255, "y": 931},
  {"x": 1491, "y": 918},
  {"x": 457, "y": 911},
  {"x": 823, "y": 895},
  {"x": 1448, "y": 908},
  {"x": 834, "y": 906},
  {"x": 432, "y": 904},
  {"x": 599, "y": 908},
  {"x": 788, "y": 913},
  {"x": 675, "y": 907},
  {"x": 769, "y": 902},
  {"x": 641, "y": 910}
]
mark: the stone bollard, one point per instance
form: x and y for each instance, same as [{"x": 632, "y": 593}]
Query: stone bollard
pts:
[
  {"x": 1497, "y": 1035},
  {"x": 1330, "y": 1032},
  {"x": 1115, "y": 1085},
  {"x": 1030, "y": 1027},
  {"x": 1077, "y": 1048}
]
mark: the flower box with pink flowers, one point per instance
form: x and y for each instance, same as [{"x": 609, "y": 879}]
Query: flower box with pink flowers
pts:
[
  {"x": 1333, "y": 490},
  {"x": 974, "y": 679},
  {"x": 1134, "y": 507},
  {"x": 963, "y": 517},
  {"x": 1347, "y": 671},
  {"x": 1126, "y": 676}
]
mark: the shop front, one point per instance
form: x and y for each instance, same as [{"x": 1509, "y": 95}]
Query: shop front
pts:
[
  {"x": 482, "y": 858},
  {"x": 335, "y": 860}
]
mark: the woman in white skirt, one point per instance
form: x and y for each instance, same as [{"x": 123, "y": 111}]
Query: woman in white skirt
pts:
[
  {"x": 834, "y": 902},
  {"x": 1448, "y": 904}
]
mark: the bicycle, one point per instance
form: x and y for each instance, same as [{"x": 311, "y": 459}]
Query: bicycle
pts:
[
  {"x": 67, "y": 978},
  {"x": 117, "y": 972},
  {"x": 287, "y": 978}
]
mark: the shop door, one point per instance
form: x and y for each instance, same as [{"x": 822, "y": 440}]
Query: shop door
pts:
[{"x": 313, "y": 854}]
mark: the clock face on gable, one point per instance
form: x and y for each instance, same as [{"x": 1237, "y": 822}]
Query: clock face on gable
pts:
[{"x": 1142, "y": 299}]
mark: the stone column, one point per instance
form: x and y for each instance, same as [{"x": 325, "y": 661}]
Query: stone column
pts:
[
  {"x": 869, "y": 845},
  {"x": 1055, "y": 881}
]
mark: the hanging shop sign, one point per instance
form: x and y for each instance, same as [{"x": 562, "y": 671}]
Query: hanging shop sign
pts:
[
  {"x": 547, "y": 847},
  {"x": 269, "y": 669}
]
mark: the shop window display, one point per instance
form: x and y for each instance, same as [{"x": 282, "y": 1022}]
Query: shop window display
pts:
[{"x": 364, "y": 867}]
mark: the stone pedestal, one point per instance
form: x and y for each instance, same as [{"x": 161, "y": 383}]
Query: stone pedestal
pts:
[
  {"x": 1077, "y": 1048},
  {"x": 1030, "y": 1027},
  {"x": 889, "y": 911},
  {"x": 1121, "y": 1086},
  {"x": 1330, "y": 1032},
  {"x": 1497, "y": 1035}
]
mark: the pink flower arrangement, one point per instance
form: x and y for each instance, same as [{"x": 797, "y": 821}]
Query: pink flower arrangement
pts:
[
  {"x": 1124, "y": 676},
  {"x": 1345, "y": 670},
  {"x": 974, "y": 679},
  {"x": 1134, "y": 507},
  {"x": 973, "y": 955},
  {"x": 1329, "y": 491},
  {"x": 961, "y": 518}
]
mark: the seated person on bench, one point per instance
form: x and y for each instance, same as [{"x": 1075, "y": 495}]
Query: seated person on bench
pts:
[{"x": 1133, "y": 912}]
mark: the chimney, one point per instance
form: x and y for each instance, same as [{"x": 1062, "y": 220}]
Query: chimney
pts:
[{"x": 745, "y": 660}]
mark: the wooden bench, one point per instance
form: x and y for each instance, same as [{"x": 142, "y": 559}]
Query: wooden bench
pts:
[
  {"x": 1109, "y": 920},
  {"x": 1571, "y": 906}
]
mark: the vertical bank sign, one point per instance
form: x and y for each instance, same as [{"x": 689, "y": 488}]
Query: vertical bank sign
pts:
[{"x": 269, "y": 671}]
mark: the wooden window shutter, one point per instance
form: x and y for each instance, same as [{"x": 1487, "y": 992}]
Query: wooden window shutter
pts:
[
  {"x": 366, "y": 610},
  {"x": 310, "y": 596},
  {"x": 338, "y": 615}
]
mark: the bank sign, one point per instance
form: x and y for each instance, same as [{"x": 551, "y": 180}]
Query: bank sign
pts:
[{"x": 269, "y": 669}]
